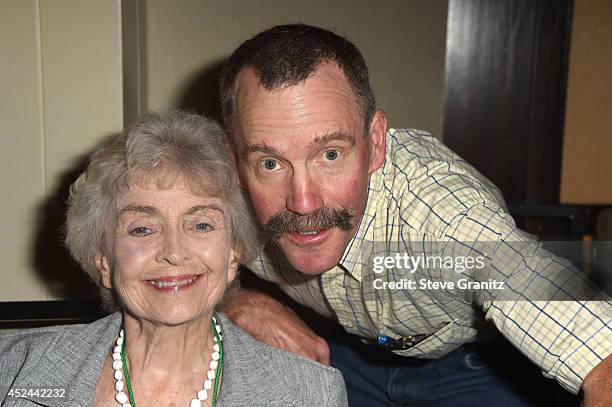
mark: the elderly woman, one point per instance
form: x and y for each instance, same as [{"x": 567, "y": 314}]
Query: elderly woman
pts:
[{"x": 158, "y": 222}]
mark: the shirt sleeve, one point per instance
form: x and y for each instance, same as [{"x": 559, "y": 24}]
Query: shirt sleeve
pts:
[{"x": 547, "y": 308}]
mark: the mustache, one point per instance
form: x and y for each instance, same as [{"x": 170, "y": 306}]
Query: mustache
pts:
[{"x": 322, "y": 218}]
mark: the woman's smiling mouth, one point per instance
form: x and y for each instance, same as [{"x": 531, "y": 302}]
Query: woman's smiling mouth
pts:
[{"x": 173, "y": 283}]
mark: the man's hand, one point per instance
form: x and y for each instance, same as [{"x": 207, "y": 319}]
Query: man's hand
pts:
[
  {"x": 598, "y": 384},
  {"x": 270, "y": 322}
]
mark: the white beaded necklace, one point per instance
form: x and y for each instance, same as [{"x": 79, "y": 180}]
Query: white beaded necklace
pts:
[{"x": 123, "y": 399}]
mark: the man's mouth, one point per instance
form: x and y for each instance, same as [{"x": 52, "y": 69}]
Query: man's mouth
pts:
[
  {"x": 309, "y": 232},
  {"x": 173, "y": 283},
  {"x": 307, "y": 238}
]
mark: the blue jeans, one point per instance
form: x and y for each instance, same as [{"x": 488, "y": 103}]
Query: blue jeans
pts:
[{"x": 492, "y": 374}]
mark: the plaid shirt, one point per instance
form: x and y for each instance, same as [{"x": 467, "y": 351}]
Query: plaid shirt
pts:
[{"x": 425, "y": 192}]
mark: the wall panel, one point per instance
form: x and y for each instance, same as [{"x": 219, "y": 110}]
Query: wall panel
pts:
[
  {"x": 61, "y": 90},
  {"x": 81, "y": 56},
  {"x": 587, "y": 149},
  {"x": 22, "y": 166}
]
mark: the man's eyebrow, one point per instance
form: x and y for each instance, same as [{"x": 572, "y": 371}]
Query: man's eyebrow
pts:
[
  {"x": 148, "y": 210},
  {"x": 198, "y": 208},
  {"x": 260, "y": 147},
  {"x": 335, "y": 136}
]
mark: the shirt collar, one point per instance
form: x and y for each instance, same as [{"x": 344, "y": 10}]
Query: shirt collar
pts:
[{"x": 355, "y": 257}]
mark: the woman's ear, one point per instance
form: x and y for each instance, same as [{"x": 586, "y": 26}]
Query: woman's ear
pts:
[
  {"x": 232, "y": 269},
  {"x": 105, "y": 271}
]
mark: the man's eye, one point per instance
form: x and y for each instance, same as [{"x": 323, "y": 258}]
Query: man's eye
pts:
[
  {"x": 140, "y": 231},
  {"x": 203, "y": 227},
  {"x": 270, "y": 164},
  {"x": 331, "y": 155}
]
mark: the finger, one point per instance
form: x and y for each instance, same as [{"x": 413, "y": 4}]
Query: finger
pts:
[
  {"x": 324, "y": 360},
  {"x": 323, "y": 352}
]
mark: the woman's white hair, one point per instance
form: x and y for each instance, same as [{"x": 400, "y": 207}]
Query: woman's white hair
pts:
[{"x": 158, "y": 148}]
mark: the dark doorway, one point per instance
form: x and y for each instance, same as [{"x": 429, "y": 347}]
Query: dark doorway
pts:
[{"x": 506, "y": 70}]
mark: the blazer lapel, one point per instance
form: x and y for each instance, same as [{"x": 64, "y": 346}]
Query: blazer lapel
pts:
[{"x": 72, "y": 364}]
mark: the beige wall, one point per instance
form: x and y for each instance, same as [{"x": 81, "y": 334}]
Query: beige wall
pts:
[
  {"x": 587, "y": 148},
  {"x": 403, "y": 42},
  {"x": 60, "y": 90}
]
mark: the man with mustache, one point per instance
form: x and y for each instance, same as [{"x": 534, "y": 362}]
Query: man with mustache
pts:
[{"x": 328, "y": 180}]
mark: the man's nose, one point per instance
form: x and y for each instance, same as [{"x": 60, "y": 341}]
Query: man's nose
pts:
[
  {"x": 174, "y": 249},
  {"x": 304, "y": 195}
]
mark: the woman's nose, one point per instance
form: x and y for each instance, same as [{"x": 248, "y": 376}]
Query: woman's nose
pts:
[{"x": 174, "y": 249}]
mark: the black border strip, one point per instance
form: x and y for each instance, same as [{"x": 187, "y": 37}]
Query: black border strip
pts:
[{"x": 65, "y": 310}]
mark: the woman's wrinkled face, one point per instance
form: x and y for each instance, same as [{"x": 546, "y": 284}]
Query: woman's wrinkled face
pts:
[{"x": 171, "y": 253}]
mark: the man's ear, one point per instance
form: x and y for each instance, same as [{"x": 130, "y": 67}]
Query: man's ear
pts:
[
  {"x": 105, "y": 271},
  {"x": 377, "y": 138}
]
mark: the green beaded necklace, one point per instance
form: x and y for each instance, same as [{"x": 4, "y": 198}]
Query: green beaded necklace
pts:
[{"x": 217, "y": 376}]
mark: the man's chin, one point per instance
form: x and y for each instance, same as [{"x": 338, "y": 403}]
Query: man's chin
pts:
[{"x": 311, "y": 266}]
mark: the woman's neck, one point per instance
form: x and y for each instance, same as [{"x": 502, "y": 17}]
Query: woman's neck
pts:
[{"x": 168, "y": 352}]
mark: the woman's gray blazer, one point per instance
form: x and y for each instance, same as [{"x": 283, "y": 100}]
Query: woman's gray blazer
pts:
[{"x": 71, "y": 357}]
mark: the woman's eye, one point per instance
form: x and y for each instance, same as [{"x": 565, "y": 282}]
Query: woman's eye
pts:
[
  {"x": 140, "y": 231},
  {"x": 331, "y": 155},
  {"x": 203, "y": 227},
  {"x": 270, "y": 164}
]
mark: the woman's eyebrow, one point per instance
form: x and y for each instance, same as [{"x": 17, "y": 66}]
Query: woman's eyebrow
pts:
[
  {"x": 145, "y": 209},
  {"x": 198, "y": 208}
]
